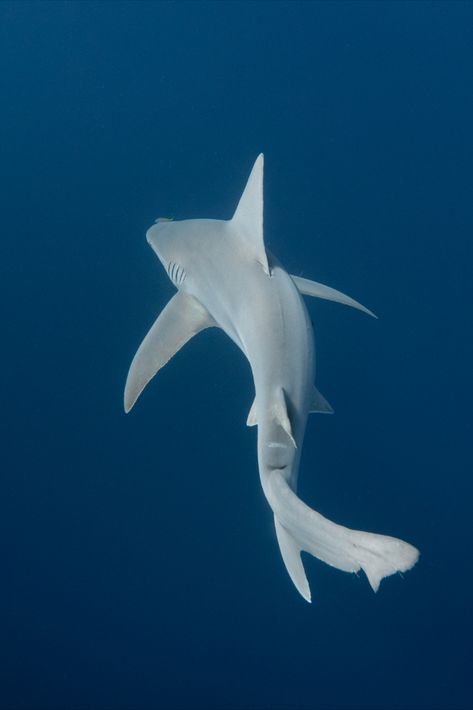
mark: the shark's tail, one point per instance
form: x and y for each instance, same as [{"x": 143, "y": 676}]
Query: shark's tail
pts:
[{"x": 299, "y": 528}]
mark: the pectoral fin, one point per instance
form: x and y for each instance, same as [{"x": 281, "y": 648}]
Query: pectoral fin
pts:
[
  {"x": 312, "y": 288},
  {"x": 182, "y": 318}
]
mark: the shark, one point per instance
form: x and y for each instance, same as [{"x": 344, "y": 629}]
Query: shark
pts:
[{"x": 226, "y": 278}]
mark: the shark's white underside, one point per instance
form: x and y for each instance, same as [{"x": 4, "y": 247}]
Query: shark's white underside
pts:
[{"x": 226, "y": 278}]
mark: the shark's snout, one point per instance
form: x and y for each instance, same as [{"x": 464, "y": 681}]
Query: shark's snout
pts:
[
  {"x": 152, "y": 234},
  {"x": 157, "y": 228}
]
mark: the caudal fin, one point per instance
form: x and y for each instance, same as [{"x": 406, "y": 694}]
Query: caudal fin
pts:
[
  {"x": 291, "y": 554},
  {"x": 299, "y": 528},
  {"x": 381, "y": 555}
]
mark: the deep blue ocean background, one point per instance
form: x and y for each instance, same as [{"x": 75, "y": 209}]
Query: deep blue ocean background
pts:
[{"x": 139, "y": 566}]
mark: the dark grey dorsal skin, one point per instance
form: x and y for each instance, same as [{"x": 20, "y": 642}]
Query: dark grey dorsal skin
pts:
[{"x": 226, "y": 279}]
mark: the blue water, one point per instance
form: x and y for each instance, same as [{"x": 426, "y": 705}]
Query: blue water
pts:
[{"x": 139, "y": 567}]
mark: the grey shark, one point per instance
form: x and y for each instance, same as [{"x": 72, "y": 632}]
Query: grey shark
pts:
[{"x": 226, "y": 278}]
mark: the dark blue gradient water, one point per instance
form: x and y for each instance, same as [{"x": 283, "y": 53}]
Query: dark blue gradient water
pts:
[{"x": 139, "y": 562}]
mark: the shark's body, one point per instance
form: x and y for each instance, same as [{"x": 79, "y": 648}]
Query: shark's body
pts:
[{"x": 225, "y": 278}]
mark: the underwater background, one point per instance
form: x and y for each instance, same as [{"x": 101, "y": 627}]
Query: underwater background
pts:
[{"x": 139, "y": 565}]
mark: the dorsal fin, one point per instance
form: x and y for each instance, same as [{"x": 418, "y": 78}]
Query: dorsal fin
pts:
[{"x": 248, "y": 217}]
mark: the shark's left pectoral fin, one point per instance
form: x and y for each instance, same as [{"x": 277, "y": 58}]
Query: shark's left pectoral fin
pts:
[
  {"x": 181, "y": 319},
  {"x": 312, "y": 288},
  {"x": 248, "y": 217}
]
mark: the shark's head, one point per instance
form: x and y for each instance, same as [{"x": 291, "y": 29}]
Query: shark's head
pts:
[
  {"x": 195, "y": 248},
  {"x": 185, "y": 247},
  {"x": 169, "y": 240}
]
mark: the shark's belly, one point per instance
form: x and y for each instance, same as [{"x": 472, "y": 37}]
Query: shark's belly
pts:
[
  {"x": 267, "y": 318},
  {"x": 279, "y": 341}
]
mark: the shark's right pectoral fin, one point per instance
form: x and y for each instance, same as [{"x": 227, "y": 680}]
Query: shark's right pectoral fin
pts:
[
  {"x": 313, "y": 288},
  {"x": 181, "y": 319}
]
